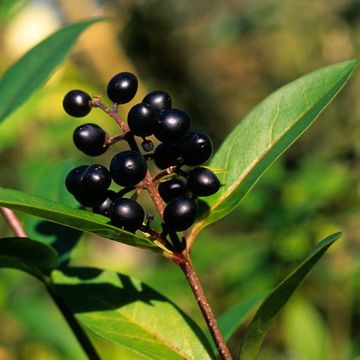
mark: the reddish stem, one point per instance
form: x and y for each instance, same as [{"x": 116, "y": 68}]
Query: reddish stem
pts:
[
  {"x": 186, "y": 265},
  {"x": 13, "y": 222},
  {"x": 148, "y": 181}
]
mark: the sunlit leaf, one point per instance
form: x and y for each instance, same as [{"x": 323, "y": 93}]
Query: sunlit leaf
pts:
[
  {"x": 32, "y": 70},
  {"x": 260, "y": 324},
  {"x": 28, "y": 255},
  {"x": 265, "y": 133},
  {"x": 131, "y": 314},
  {"x": 74, "y": 218}
]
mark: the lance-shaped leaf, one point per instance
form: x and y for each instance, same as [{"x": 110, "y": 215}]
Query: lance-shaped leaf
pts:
[
  {"x": 265, "y": 133},
  {"x": 74, "y": 218},
  {"x": 131, "y": 314},
  {"x": 260, "y": 324},
  {"x": 32, "y": 70},
  {"x": 28, "y": 255}
]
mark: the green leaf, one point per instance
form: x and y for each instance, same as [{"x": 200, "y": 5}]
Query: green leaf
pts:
[
  {"x": 74, "y": 218},
  {"x": 258, "y": 327},
  {"x": 131, "y": 314},
  {"x": 28, "y": 255},
  {"x": 265, "y": 133},
  {"x": 32, "y": 70},
  {"x": 234, "y": 318}
]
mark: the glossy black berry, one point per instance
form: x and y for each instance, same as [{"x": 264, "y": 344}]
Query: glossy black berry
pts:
[
  {"x": 202, "y": 182},
  {"x": 128, "y": 168},
  {"x": 74, "y": 182},
  {"x": 77, "y": 103},
  {"x": 74, "y": 178},
  {"x": 196, "y": 148},
  {"x": 96, "y": 180},
  {"x": 90, "y": 139},
  {"x": 166, "y": 155},
  {"x": 126, "y": 214},
  {"x": 172, "y": 126},
  {"x": 102, "y": 207},
  {"x": 172, "y": 189},
  {"x": 159, "y": 100},
  {"x": 122, "y": 87},
  {"x": 142, "y": 120},
  {"x": 180, "y": 213}
]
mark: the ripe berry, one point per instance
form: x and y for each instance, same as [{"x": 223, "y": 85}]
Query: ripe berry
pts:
[
  {"x": 202, "y": 182},
  {"x": 127, "y": 214},
  {"x": 90, "y": 139},
  {"x": 172, "y": 189},
  {"x": 196, "y": 148},
  {"x": 159, "y": 100},
  {"x": 166, "y": 155},
  {"x": 74, "y": 184},
  {"x": 96, "y": 180},
  {"x": 102, "y": 207},
  {"x": 77, "y": 103},
  {"x": 128, "y": 168},
  {"x": 180, "y": 213},
  {"x": 122, "y": 87},
  {"x": 173, "y": 125},
  {"x": 74, "y": 178},
  {"x": 142, "y": 120}
]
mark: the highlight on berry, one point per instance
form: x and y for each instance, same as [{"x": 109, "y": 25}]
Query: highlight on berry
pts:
[{"x": 112, "y": 189}]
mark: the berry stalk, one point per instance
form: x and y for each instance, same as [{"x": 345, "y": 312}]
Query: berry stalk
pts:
[
  {"x": 148, "y": 182},
  {"x": 186, "y": 265}
]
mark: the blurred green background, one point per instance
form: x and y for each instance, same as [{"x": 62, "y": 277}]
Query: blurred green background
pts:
[{"x": 217, "y": 59}]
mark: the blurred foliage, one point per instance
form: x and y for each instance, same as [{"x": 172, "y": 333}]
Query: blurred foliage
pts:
[{"x": 217, "y": 59}]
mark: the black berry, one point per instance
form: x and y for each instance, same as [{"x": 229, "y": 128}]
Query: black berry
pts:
[
  {"x": 196, "y": 148},
  {"x": 90, "y": 139},
  {"x": 166, "y": 155},
  {"x": 74, "y": 178},
  {"x": 202, "y": 182},
  {"x": 128, "y": 168},
  {"x": 142, "y": 120},
  {"x": 126, "y": 214},
  {"x": 180, "y": 213},
  {"x": 172, "y": 189},
  {"x": 122, "y": 87},
  {"x": 159, "y": 100},
  {"x": 96, "y": 180},
  {"x": 102, "y": 207},
  {"x": 75, "y": 184},
  {"x": 173, "y": 125},
  {"x": 77, "y": 103}
]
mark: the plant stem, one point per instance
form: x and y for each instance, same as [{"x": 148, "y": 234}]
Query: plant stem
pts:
[
  {"x": 18, "y": 230},
  {"x": 13, "y": 222},
  {"x": 184, "y": 261},
  {"x": 78, "y": 331},
  {"x": 148, "y": 182}
]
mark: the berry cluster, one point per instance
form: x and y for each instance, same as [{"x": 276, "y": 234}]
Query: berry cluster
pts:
[{"x": 179, "y": 147}]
